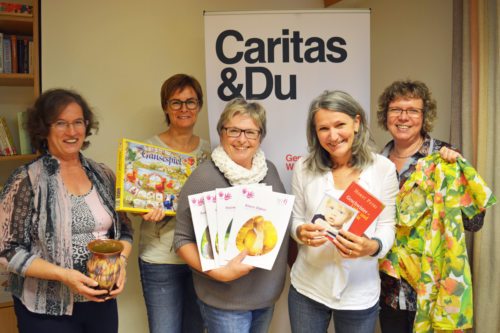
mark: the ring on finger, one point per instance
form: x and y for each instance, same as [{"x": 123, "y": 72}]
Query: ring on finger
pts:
[
  {"x": 309, "y": 241},
  {"x": 350, "y": 252}
]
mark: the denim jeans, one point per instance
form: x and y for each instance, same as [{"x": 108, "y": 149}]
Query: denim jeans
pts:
[
  {"x": 229, "y": 321},
  {"x": 170, "y": 298},
  {"x": 308, "y": 316}
]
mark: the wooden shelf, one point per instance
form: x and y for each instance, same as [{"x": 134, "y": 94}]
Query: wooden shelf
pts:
[
  {"x": 17, "y": 79},
  {"x": 20, "y": 158},
  {"x": 16, "y": 24}
]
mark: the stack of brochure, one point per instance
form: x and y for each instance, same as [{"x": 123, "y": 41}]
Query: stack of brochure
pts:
[{"x": 246, "y": 217}]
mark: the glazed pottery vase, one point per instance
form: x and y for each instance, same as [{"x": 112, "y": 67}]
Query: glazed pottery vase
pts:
[{"x": 104, "y": 263}]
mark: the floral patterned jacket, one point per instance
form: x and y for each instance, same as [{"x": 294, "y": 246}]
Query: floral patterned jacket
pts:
[{"x": 430, "y": 251}]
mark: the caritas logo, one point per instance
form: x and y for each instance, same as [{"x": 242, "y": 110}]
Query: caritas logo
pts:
[{"x": 290, "y": 161}]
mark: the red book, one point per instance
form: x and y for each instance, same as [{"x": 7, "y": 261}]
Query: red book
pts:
[
  {"x": 367, "y": 205},
  {"x": 13, "y": 45}
]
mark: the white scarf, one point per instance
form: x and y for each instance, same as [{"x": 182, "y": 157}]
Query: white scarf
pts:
[{"x": 236, "y": 174}]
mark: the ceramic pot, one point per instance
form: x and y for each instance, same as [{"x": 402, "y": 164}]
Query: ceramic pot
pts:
[{"x": 104, "y": 263}]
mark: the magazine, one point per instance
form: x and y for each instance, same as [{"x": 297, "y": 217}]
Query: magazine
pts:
[
  {"x": 259, "y": 225},
  {"x": 202, "y": 234},
  {"x": 149, "y": 177}
]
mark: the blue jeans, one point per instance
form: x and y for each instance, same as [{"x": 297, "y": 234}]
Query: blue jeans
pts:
[
  {"x": 308, "y": 316},
  {"x": 229, "y": 321},
  {"x": 170, "y": 298}
]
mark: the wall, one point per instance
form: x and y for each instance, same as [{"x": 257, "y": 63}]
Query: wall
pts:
[{"x": 117, "y": 54}]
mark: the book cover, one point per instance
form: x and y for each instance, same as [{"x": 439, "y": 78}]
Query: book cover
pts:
[
  {"x": 367, "y": 205},
  {"x": 16, "y": 8},
  {"x": 10, "y": 149},
  {"x": 227, "y": 199},
  {"x": 201, "y": 231},
  {"x": 7, "y": 55},
  {"x": 333, "y": 214},
  {"x": 259, "y": 226},
  {"x": 24, "y": 138},
  {"x": 211, "y": 208},
  {"x": 150, "y": 177}
]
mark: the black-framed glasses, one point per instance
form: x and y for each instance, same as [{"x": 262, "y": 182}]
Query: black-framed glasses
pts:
[
  {"x": 62, "y": 125},
  {"x": 176, "y": 104},
  {"x": 235, "y": 132},
  {"x": 412, "y": 112}
]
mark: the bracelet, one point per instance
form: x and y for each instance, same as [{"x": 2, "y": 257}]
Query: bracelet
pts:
[{"x": 379, "y": 247}]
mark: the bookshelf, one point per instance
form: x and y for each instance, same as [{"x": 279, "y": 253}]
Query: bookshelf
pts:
[{"x": 17, "y": 92}]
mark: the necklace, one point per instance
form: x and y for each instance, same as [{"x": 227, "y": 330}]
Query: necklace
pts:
[{"x": 394, "y": 155}]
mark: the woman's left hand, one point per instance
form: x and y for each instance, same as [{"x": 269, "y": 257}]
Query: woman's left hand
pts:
[
  {"x": 354, "y": 246},
  {"x": 120, "y": 283},
  {"x": 449, "y": 155}
]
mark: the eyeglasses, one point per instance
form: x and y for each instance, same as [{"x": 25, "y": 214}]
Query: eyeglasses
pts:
[
  {"x": 62, "y": 125},
  {"x": 235, "y": 132},
  {"x": 412, "y": 113},
  {"x": 176, "y": 104}
]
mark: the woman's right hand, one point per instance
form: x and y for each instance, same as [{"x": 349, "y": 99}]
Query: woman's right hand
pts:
[
  {"x": 311, "y": 234},
  {"x": 81, "y": 284},
  {"x": 233, "y": 270},
  {"x": 154, "y": 216}
]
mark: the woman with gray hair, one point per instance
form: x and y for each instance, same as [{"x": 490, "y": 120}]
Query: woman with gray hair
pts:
[
  {"x": 236, "y": 297},
  {"x": 338, "y": 278}
]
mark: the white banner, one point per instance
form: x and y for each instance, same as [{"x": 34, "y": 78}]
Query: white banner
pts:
[{"x": 284, "y": 59}]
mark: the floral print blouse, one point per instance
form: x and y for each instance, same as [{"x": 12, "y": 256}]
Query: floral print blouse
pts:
[{"x": 430, "y": 250}]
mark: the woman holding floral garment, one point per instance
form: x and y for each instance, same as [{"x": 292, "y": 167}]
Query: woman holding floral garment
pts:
[
  {"x": 406, "y": 109},
  {"x": 50, "y": 209},
  {"x": 236, "y": 297},
  {"x": 339, "y": 279}
]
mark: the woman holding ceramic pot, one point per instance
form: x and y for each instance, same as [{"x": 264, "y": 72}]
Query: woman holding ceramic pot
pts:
[
  {"x": 50, "y": 209},
  {"x": 236, "y": 297}
]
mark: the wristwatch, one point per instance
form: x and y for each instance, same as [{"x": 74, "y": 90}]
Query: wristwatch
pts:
[{"x": 379, "y": 246}]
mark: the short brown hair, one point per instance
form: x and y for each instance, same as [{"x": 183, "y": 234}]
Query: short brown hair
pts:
[{"x": 179, "y": 82}]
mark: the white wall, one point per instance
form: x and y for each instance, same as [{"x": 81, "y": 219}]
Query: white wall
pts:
[{"x": 118, "y": 53}]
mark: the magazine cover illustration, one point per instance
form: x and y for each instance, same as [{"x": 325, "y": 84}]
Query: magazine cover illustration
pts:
[
  {"x": 150, "y": 177},
  {"x": 333, "y": 215}
]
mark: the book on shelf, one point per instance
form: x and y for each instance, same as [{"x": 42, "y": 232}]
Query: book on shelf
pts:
[
  {"x": 149, "y": 177},
  {"x": 7, "y": 54},
  {"x": 1, "y": 52},
  {"x": 16, "y": 8},
  {"x": 8, "y": 147},
  {"x": 24, "y": 138},
  {"x": 13, "y": 51},
  {"x": 30, "y": 57},
  {"x": 367, "y": 205},
  {"x": 333, "y": 214}
]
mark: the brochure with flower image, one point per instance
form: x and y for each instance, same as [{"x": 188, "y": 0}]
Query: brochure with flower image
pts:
[
  {"x": 334, "y": 215},
  {"x": 259, "y": 225},
  {"x": 211, "y": 209},
  {"x": 200, "y": 225},
  {"x": 226, "y": 201}
]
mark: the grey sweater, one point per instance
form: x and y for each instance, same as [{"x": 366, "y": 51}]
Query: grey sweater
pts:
[{"x": 260, "y": 288}]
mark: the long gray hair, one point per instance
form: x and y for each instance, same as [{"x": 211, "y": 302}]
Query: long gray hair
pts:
[{"x": 319, "y": 159}]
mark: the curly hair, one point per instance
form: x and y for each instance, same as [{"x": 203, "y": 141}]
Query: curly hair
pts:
[
  {"x": 408, "y": 89},
  {"x": 319, "y": 159},
  {"x": 45, "y": 111}
]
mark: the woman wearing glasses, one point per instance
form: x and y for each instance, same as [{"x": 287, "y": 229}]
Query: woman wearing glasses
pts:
[
  {"x": 166, "y": 279},
  {"x": 50, "y": 209},
  {"x": 407, "y": 110},
  {"x": 234, "y": 298}
]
